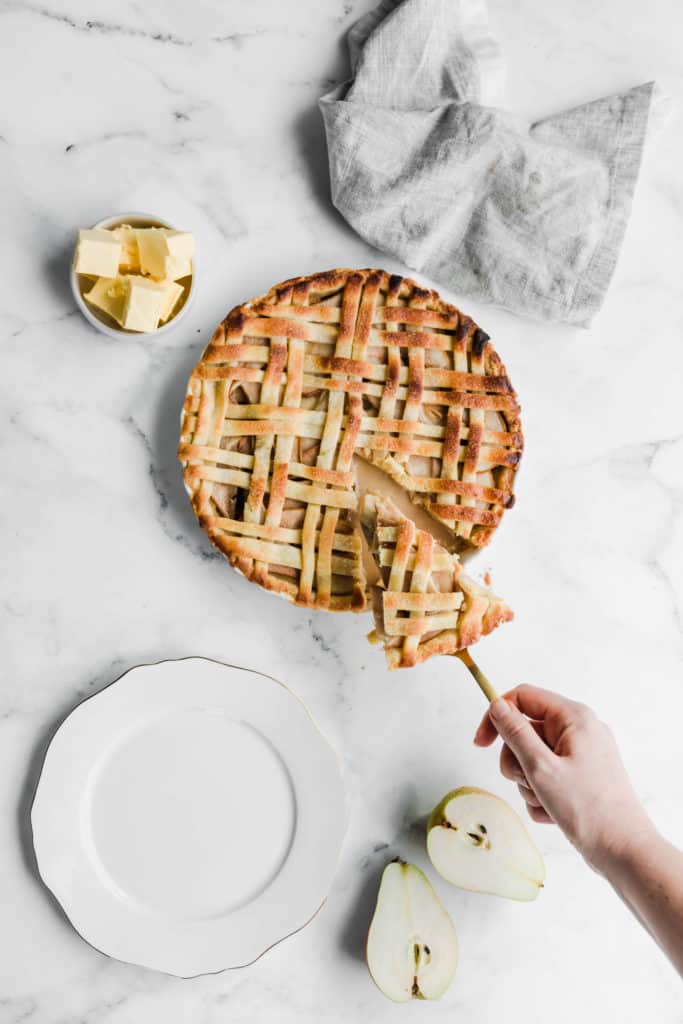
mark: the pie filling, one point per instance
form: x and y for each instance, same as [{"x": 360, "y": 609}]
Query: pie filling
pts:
[{"x": 347, "y": 363}]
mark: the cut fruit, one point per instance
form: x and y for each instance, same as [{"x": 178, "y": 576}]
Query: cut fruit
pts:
[
  {"x": 426, "y": 604},
  {"x": 476, "y": 841},
  {"x": 412, "y": 948}
]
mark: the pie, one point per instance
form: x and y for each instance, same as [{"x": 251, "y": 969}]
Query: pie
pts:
[
  {"x": 348, "y": 362},
  {"x": 425, "y": 603}
]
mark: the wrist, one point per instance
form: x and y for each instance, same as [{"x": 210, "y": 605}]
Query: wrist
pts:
[{"x": 624, "y": 847}]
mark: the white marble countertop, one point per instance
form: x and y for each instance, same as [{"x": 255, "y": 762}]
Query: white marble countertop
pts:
[{"x": 206, "y": 113}]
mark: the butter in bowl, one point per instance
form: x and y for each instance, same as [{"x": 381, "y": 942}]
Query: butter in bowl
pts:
[{"x": 133, "y": 273}]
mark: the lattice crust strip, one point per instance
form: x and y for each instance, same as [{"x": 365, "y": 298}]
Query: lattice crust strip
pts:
[
  {"x": 425, "y": 603},
  {"x": 347, "y": 362}
]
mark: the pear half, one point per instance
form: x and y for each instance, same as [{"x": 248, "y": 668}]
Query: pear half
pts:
[
  {"x": 476, "y": 841},
  {"x": 412, "y": 948}
]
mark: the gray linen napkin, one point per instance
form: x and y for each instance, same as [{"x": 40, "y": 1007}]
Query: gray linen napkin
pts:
[{"x": 530, "y": 217}]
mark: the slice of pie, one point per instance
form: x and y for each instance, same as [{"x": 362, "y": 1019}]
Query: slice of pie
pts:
[
  {"x": 425, "y": 604},
  {"x": 295, "y": 384}
]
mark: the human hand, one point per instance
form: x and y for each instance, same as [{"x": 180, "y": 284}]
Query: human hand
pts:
[{"x": 568, "y": 770}]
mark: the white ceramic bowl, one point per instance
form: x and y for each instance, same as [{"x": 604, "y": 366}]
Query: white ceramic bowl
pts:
[{"x": 81, "y": 283}]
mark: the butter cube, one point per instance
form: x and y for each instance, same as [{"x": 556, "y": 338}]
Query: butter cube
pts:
[
  {"x": 165, "y": 254},
  {"x": 173, "y": 293},
  {"x": 181, "y": 247},
  {"x": 98, "y": 253},
  {"x": 109, "y": 295},
  {"x": 144, "y": 303},
  {"x": 130, "y": 257}
]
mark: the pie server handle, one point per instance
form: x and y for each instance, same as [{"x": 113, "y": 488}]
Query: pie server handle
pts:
[{"x": 485, "y": 686}]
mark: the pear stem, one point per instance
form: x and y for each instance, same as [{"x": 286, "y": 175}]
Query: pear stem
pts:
[{"x": 485, "y": 686}]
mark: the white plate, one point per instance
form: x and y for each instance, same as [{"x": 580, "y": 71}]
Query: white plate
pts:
[{"x": 189, "y": 816}]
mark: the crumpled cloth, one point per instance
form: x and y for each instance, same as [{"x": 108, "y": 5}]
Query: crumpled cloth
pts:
[{"x": 426, "y": 166}]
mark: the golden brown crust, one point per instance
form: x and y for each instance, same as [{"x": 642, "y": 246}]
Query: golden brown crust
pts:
[
  {"x": 425, "y": 603},
  {"x": 322, "y": 367}
]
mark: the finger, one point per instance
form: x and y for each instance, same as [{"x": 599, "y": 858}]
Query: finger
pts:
[
  {"x": 537, "y": 726},
  {"x": 486, "y": 732},
  {"x": 540, "y": 815},
  {"x": 528, "y": 796},
  {"x": 520, "y": 736},
  {"x": 525, "y": 695},
  {"x": 563, "y": 719},
  {"x": 534, "y": 702},
  {"x": 510, "y": 768}
]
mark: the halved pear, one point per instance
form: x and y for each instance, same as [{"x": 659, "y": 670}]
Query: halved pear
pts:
[
  {"x": 476, "y": 841},
  {"x": 412, "y": 948}
]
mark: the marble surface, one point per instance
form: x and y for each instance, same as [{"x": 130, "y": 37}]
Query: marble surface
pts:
[{"x": 206, "y": 114}]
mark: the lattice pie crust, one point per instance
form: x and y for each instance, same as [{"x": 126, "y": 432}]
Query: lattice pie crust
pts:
[
  {"x": 346, "y": 362},
  {"x": 426, "y": 604}
]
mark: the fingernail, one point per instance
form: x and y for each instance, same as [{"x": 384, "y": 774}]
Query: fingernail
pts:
[{"x": 499, "y": 709}]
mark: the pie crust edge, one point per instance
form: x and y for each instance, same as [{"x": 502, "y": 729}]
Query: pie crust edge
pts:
[{"x": 331, "y": 280}]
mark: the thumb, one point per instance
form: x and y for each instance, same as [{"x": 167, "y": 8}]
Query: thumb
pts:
[{"x": 519, "y": 734}]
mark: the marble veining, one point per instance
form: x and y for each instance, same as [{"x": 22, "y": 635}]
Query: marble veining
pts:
[{"x": 206, "y": 114}]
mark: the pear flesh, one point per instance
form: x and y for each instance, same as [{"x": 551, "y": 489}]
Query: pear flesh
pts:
[
  {"x": 412, "y": 948},
  {"x": 476, "y": 841}
]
